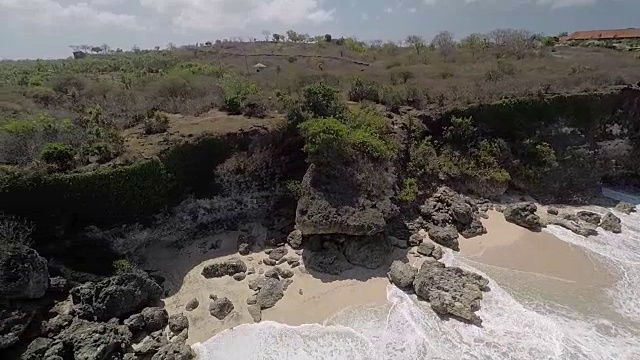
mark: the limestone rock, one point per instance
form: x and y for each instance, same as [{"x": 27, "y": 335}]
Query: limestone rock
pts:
[
  {"x": 426, "y": 248},
  {"x": 177, "y": 323},
  {"x": 90, "y": 340},
  {"x": 278, "y": 253},
  {"x": 552, "y": 211},
  {"x": 523, "y": 214},
  {"x": 437, "y": 253},
  {"x": 14, "y": 320},
  {"x": 255, "y": 312},
  {"x": 23, "y": 273},
  {"x": 36, "y": 349},
  {"x": 402, "y": 274},
  {"x": 295, "y": 239},
  {"x": 228, "y": 267},
  {"x": 370, "y": 252},
  {"x": 589, "y": 216},
  {"x": 284, "y": 273},
  {"x": 611, "y": 223},
  {"x": 400, "y": 244},
  {"x": 451, "y": 290},
  {"x": 220, "y": 308},
  {"x": 473, "y": 228},
  {"x": 270, "y": 293},
  {"x": 155, "y": 318},
  {"x": 269, "y": 262},
  {"x": 116, "y": 296},
  {"x": 625, "y": 207},
  {"x": 192, "y": 304},
  {"x": 574, "y": 224},
  {"x": 174, "y": 351},
  {"x": 445, "y": 236},
  {"x": 327, "y": 261},
  {"x": 272, "y": 273}
]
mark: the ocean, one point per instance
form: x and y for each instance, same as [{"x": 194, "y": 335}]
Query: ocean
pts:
[{"x": 520, "y": 321}]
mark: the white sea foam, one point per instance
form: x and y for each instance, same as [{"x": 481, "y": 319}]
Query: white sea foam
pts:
[{"x": 408, "y": 329}]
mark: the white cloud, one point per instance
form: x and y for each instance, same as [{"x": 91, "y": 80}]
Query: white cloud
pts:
[
  {"x": 413, "y": 10},
  {"x": 364, "y": 16},
  {"x": 221, "y": 15},
  {"x": 554, "y": 4},
  {"x": 51, "y": 13},
  {"x": 388, "y": 10}
]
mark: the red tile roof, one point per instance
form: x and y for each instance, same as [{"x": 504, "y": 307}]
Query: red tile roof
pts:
[{"x": 630, "y": 33}]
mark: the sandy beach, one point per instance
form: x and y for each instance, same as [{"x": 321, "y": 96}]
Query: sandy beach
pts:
[{"x": 533, "y": 263}]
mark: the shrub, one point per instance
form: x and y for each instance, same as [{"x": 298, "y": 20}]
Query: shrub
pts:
[
  {"x": 295, "y": 188},
  {"x": 59, "y": 155},
  {"x": 405, "y": 75},
  {"x": 255, "y": 109},
  {"x": 122, "y": 266},
  {"x": 15, "y": 231},
  {"x": 322, "y": 101},
  {"x": 392, "y": 99},
  {"x": 171, "y": 87},
  {"x": 232, "y": 104},
  {"x": 364, "y": 90},
  {"x": 156, "y": 124},
  {"x": 292, "y": 59},
  {"x": 236, "y": 89},
  {"x": 409, "y": 190},
  {"x": 461, "y": 131}
]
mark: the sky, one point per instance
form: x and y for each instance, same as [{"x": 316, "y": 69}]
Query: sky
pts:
[{"x": 46, "y": 28}]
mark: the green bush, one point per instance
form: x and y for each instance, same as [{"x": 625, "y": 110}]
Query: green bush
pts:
[
  {"x": 232, "y": 104},
  {"x": 364, "y": 90},
  {"x": 236, "y": 89},
  {"x": 122, "y": 266},
  {"x": 409, "y": 190},
  {"x": 392, "y": 99},
  {"x": 254, "y": 109},
  {"x": 156, "y": 124},
  {"x": 59, "y": 155},
  {"x": 322, "y": 101},
  {"x": 295, "y": 188}
]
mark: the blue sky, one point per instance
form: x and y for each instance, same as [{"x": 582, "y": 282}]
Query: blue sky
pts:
[{"x": 46, "y": 28}]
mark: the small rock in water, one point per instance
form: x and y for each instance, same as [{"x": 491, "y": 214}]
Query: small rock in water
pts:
[
  {"x": 192, "y": 304},
  {"x": 255, "y": 312},
  {"x": 239, "y": 276},
  {"x": 278, "y": 253},
  {"x": 220, "y": 308},
  {"x": 589, "y": 216},
  {"x": 402, "y": 274},
  {"x": 249, "y": 258},
  {"x": 625, "y": 207},
  {"x": 611, "y": 223}
]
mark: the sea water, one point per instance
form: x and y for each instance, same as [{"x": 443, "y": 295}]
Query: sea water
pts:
[{"x": 513, "y": 328}]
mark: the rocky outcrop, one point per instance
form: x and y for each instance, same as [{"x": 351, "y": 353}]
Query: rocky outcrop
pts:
[
  {"x": 523, "y": 214},
  {"x": 589, "y": 217},
  {"x": 446, "y": 213},
  {"x": 115, "y": 297},
  {"x": 270, "y": 292},
  {"x": 351, "y": 201},
  {"x": 90, "y": 340},
  {"x": 278, "y": 253},
  {"x": 220, "y": 307},
  {"x": 294, "y": 239},
  {"x": 451, "y": 290},
  {"x": 328, "y": 260},
  {"x": 625, "y": 207},
  {"x": 174, "y": 351},
  {"x": 402, "y": 274},
  {"x": 367, "y": 251},
  {"x": 611, "y": 223},
  {"x": 36, "y": 349},
  {"x": 14, "y": 320},
  {"x": 178, "y": 323},
  {"x": 23, "y": 273},
  {"x": 228, "y": 267},
  {"x": 573, "y": 224}
]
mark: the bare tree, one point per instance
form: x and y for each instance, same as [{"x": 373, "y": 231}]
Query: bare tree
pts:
[
  {"x": 266, "y": 34},
  {"x": 444, "y": 43},
  {"x": 475, "y": 42},
  {"x": 15, "y": 231},
  {"x": 416, "y": 41},
  {"x": 514, "y": 42}
]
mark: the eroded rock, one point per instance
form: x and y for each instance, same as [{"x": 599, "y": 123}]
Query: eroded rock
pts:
[
  {"x": 270, "y": 292},
  {"x": 370, "y": 252},
  {"x": 445, "y": 236},
  {"x": 23, "y": 273},
  {"x": 589, "y": 216},
  {"x": 611, "y": 223},
  {"x": 402, "y": 274},
  {"x": 228, "y": 267},
  {"x": 523, "y": 214},
  {"x": 625, "y": 207},
  {"x": 220, "y": 308}
]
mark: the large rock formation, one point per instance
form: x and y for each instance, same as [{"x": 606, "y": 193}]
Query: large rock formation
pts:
[
  {"x": 117, "y": 296},
  {"x": 352, "y": 201},
  {"x": 23, "y": 273},
  {"x": 90, "y": 340},
  {"x": 451, "y": 290},
  {"x": 574, "y": 224},
  {"x": 367, "y": 251},
  {"x": 523, "y": 214},
  {"x": 14, "y": 320}
]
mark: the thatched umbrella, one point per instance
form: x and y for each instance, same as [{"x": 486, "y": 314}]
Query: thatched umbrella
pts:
[{"x": 259, "y": 66}]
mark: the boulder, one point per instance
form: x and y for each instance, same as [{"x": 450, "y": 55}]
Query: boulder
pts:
[
  {"x": 294, "y": 239},
  {"x": 23, "y": 273},
  {"x": 625, "y": 207},
  {"x": 611, "y": 223},
  {"x": 284, "y": 273},
  {"x": 451, "y": 290},
  {"x": 220, "y": 308},
  {"x": 117, "y": 296},
  {"x": 343, "y": 201},
  {"x": 402, "y": 274},
  {"x": 192, "y": 304},
  {"x": 228, "y": 267},
  {"x": 90, "y": 341},
  {"x": 577, "y": 226},
  {"x": 588, "y": 216},
  {"x": 178, "y": 323},
  {"x": 135, "y": 323},
  {"x": 150, "y": 344},
  {"x": 327, "y": 261},
  {"x": 272, "y": 273},
  {"x": 400, "y": 244},
  {"x": 278, "y": 253},
  {"x": 445, "y": 236},
  {"x": 416, "y": 239},
  {"x": 36, "y": 349},
  {"x": 437, "y": 253},
  {"x": 523, "y": 214},
  {"x": 370, "y": 252},
  {"x": 255, "y": 312},
  {"x": 155, "y": 318},
  {"x": 270, "y": 292},
  {"x": 244, "y": 244},
  {"x": 239, "y": 276},
  {"x": 472, "y": 229},
  {"x": 552, "y": 211},
  {"x": 426, "y": 248},
  {"x": 174, "y": 351},
  {"x": 14, "y": 320}
]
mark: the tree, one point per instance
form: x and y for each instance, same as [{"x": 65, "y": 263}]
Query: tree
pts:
[
  {"x": 266, "y": 34},
  {"x": 135, "y": 49},
  {"x": 474, "y": 42},
  {"x": 96, "y": 49},
  {"x": 105, "y": 48},
  {"x": 512, "y": 41},
  {"x": 293, "y": 36},
  {"x": 277, "y": 37},
  {"x": 416, "y": 41},
  {"x": 444, "y": 43},
  {"x": 156, "y": 48},
  {"x": 327, "y": 38}
]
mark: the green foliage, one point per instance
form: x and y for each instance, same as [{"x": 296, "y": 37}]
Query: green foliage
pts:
[
  {"x": 61, "y": 156},
  {"x": 122, "y": 266},
  {"x": 409, "y": 190},
  {"x": 295, "y": 188},
  {"x": 192, "y": 68},
  {"x": 403, "y": 74},
  {"x": 364, "y": 90},
  {"x": 360, "y": 133},
  {"x": 322, "y": 101},
  {"x": 156, "y": 124},
  {"x": 236, "y": 90},
  {"x": 461, "y": 131}
]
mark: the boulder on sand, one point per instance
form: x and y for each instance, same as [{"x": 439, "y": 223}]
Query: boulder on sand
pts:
[
  {"x": 574, "y": 224},
  {"x": 451, "y": 290},
  {"x": 523, "y": 214},
  {"x": 220, "y": 308},
  {"x": 228, "y": 267},
  {"x": 588, "y": 216},
  {"x": 270, "y": 292},
  {"x": 445, "y": 236},
  {"x": 611, "y": 223},
  {"x": 402, "y": 274}
]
